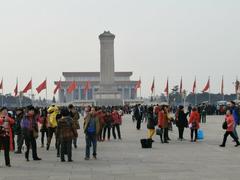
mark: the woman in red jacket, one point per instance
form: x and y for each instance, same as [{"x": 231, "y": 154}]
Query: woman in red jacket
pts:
[
  {"x": 194, "y": 123},
  {"x": 230, "y": 128},
  {"x": 6, "y": 140},
  {"x": 117, "y": 121},
  {"x": 163, "y": 119}
]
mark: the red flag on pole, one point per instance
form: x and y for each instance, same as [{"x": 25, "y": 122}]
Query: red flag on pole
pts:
[
  {"x": 16, "y": 89},
  {"x": 28, "y": 87},
  {"x": 58, "y": 86},
  {"x": 138, "y": 85},
  {"x": 181, "y": 86},
  {"x": 72, "y": 87},
  {"x": 1, "y": 84},
  {"x": 222, "y": 87},
  {"x": 194, "y": 86},
  {"x": 206, "y": 88},
  {"x": 153, "y": 85},
  {"x": 166, "y": 90},
  {"x": 86, "y": 88},
  {"x": 42, "y": 86}
]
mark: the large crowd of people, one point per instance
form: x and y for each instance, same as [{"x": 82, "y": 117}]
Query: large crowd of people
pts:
[{"x": 24, "y": 125}]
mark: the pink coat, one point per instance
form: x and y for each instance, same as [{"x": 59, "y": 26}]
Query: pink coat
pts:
[
  {"x": 230, "y": 123},
  {"x": 11, "y": 122}
]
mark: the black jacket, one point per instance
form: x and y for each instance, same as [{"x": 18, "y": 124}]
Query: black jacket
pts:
[{"x": 182, "y": 119}]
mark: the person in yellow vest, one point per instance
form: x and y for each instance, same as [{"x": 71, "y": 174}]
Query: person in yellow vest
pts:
[{"x": 53, "y": 111}]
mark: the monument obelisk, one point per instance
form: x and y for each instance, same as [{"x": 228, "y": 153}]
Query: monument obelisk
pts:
[{"x": 107, "y": 94}]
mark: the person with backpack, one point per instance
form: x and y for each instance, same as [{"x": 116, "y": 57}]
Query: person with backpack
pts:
[
  {"x": 194, "y": 123},
  {"x": 66, "y": 132},
  {"x": 229, "y": 126},
  {"x": 91, "y": 128}
]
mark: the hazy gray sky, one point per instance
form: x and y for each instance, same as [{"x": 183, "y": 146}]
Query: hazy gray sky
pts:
[{"x": 158, "y": 38}]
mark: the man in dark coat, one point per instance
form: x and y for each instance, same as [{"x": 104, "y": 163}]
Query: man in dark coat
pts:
[
  {"x": 66, "y": 133},
  {"x": 181, "y": 121},
  {"x": 138, "y": 116}
]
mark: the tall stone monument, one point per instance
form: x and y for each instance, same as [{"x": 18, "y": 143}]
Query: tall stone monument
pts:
[{"x": 107, "y": 94}]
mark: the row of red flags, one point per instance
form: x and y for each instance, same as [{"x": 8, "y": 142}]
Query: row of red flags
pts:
[
  {"x": 73, "y": 85},
  {"x": 43, "y": 86},
  {"x": 166, "y": 90}
]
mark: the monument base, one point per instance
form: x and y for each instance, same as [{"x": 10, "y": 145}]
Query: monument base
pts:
[{"x": 108, "y": 98}]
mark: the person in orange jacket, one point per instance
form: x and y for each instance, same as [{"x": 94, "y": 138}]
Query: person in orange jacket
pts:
[
  {"x": 163, "y": 119},
  {"x": 230, "y": 129},
  {"x": 194, "y": 121},
  {"x": 6, "y": 140}
]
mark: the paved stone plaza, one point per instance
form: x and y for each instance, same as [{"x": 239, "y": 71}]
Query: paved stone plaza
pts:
[{"x": 125, "y": 159}]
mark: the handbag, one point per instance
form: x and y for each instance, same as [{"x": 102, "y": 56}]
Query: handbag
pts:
[
  {"x": 159, "y": 131},
  {"x": 225, "y": 125},
  {"x": 194, "y": 125},
  {"x": 35, "y": 133}
]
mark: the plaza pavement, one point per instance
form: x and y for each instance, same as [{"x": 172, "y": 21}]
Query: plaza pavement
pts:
[{"x": 123, "y": 160}]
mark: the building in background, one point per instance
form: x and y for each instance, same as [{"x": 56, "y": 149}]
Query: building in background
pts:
[{"x": 125, "y": 86}]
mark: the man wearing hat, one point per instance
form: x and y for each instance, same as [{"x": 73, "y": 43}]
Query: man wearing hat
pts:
[{"x": 6, "y": 140}]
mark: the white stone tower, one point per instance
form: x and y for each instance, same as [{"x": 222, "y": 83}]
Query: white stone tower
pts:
[{"x": 107, "y": 94}]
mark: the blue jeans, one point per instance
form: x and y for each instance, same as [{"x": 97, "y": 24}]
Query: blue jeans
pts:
[
  {"x": 235, "y": 130},
  {"x": 91, "y": 139}
]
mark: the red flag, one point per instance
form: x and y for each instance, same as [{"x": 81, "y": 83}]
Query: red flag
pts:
[
  {"x": 72, "y": 87},
  {"x": 138, "y": 85},
  {"x": 86, "y": 88},
  {"x": 28, "y": 87},
  {"x": 153, "y": 86},
  {"x": 194, "y": 86},
  {"x": 222, "y": 87},
  {"x": 1, "y": 84},
  {"x": 181, "y": 86},
  {"x": 206, "y": 88},
  {"x": 166, "y": 90},
  {"x": 16, "y": 90},
  {"x": 58, "y": 86},
  {"x": 42, "y": 86}
]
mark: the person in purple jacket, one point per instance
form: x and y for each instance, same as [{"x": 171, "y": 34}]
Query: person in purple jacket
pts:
[
  {"x": 235, "y": 113},
  {"x": 29, "y": 127}
]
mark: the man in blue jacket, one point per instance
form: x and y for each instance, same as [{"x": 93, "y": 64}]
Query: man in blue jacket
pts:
[{"x": 235, "y": 113}]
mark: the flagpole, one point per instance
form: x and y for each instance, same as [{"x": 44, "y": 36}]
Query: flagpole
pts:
[
  {"x": 154, "y": 93},
  {"x": 46, "y": 92},
  {"x": 223, "y": 87},
  {"x": 209, "y": 90},
  {"x": 140, "y": 88},
  {"x": 32, "y": 91},
  {"x": 2, "y": 92},
  {"x": 236, "y": 84},
  {"x": 196, "y": 92}
]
